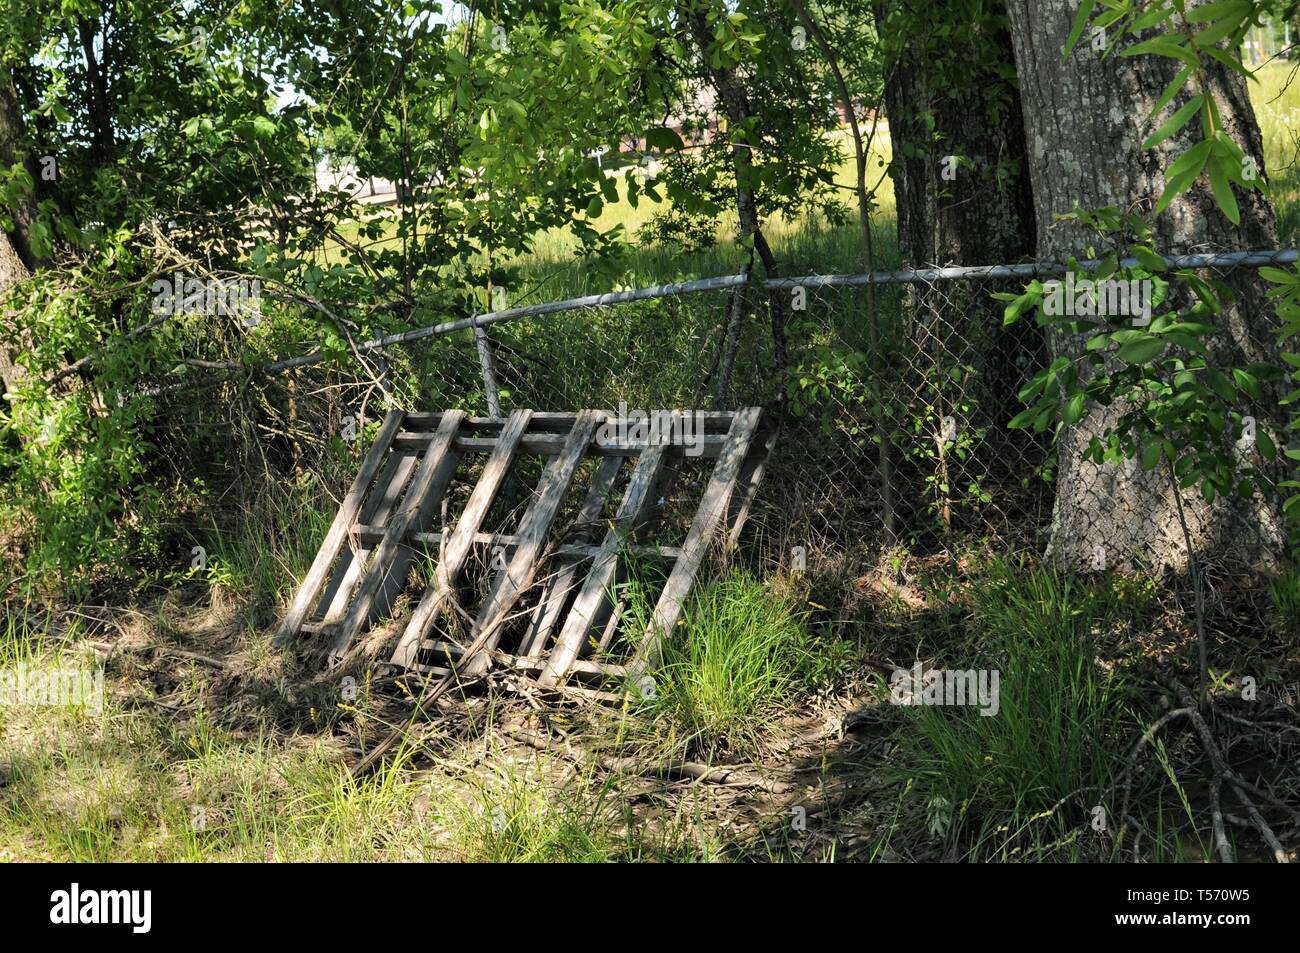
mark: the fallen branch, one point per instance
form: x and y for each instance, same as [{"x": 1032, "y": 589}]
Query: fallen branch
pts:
[{"x": 673, "y": 769}]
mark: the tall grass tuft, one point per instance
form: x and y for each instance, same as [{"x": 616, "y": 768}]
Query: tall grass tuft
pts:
[
  {"x": 991, "y": 781},
  {"x": 741, "y": 656},
  {"x": 1284, "y": 592},
  {"x": 270, "y": 542}
]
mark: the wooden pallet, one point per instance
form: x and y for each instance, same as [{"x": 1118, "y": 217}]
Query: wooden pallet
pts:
[{"x": 550, "y": 592}]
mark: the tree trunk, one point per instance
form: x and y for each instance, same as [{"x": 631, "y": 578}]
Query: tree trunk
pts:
[
  {"x": 986, "y": 214},
  {"x": 733, "y": 96},
  {"x": 1085, "y": 119},
  {"x": 12, "y": 271},
  {"x": 17, "y": 260},
  {"x": 102, "y": 145},
  {"x": 948, "y": 96}
]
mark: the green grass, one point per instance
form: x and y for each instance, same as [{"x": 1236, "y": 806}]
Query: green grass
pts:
[
  {"x": 266, "y": 545},
  {"x": 1284, "y": 592},
  {"x": 742, "y": 656},
  {"x": 994, "y": 783},
  {"x": 145, "y": 786},
  {"x": 1276, "y": 98}
]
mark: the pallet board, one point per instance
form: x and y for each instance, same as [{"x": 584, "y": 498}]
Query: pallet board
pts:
[{"x": 527, "y": 574}]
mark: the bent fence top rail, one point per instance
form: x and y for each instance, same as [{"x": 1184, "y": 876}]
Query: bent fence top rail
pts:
[{"x": 914, "y": 276}]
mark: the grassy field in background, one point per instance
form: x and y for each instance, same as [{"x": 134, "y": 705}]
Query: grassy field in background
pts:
[
  {"x": 553, "y": 270},
  {"x": 1276, "y": 97}
]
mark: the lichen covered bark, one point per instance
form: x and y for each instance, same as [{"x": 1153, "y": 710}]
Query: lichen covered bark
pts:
[{"x": 1085, "y": 119}]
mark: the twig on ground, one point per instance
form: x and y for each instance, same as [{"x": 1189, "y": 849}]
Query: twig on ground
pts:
[{"x": 726, "y": 775}]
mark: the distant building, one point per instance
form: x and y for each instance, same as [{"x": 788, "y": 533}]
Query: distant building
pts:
[{"x": 365, "y": 190}]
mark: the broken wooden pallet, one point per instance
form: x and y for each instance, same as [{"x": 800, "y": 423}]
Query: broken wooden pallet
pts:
[{"x": 549, "y": 605}]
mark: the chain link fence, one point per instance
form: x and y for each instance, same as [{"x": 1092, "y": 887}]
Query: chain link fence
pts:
[
  {"x": 895, "y": 430},
  {"x": 894, "y": 391}
]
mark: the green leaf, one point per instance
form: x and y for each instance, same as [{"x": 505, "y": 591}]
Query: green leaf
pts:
[
  {"x": 1278, "y": 276},
  {"x": 1151, "y": 18},
  {"x": 1023, "y": 419},
  {"x": 1212, "y": 11},
  {"x": 1246, "y": 381},
  {"x": 1080, "y": 21},
  {"x": 1163, "y": 46},
  {"x": 1223, "y": 192},
  {"x": 1221, "y": 386},
  {"x": 1175, "y": 85},
  {"x": 1073, "y": 408},
  {"x": 1265, "y": 444},
  {"x": 664, "y": 139},
  {"x": 1018, "y": 306},
  {"x": 1141, "y": 350},
  {"x": 1190, "y": 327},
  {"x": 1175, "y": 122},
  {"x": 1194, "y": 158},
  {"x": 1151, "y": 456},
  {"x": 1219, "y": 56},
  {"x": 1185, "y": 170},
  {"x": 1148, "y": 258},
  {"x": 516, "y": 109},
  {"x": 1228, "y": 25}
]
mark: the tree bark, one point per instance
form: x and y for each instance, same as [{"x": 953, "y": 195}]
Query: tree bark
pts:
[
  {"x": 985, "y": 215},
  {"x": 1085, "y": 120},
  {"x": 735, "y": 101},
  {"x": 17, "y": 259}
]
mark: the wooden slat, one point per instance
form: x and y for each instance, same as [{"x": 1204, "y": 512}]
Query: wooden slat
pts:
[
  {"x": 715, "y": 421},
  {"x": 380, "y": 503},
  {"x": 601, "y": 578},
  {"x": 747, "y": 482},
  {"x": 461, "y": 540},
  {"x": 611, "y": 628},
  {"x": 453, "y": 653},
  {"x": 712, "y": 509},
  {"x": 375, "y": 534},
  {"x": 561, "y": 586},
  {"x": 334, "y": 538},
  {"x": 521, "y": 568},
  {"x": 549, "y": 444},
  {"x": 386, "y": 568}
]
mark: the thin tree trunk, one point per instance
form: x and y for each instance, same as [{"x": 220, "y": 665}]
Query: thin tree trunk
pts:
[
  {"x": 17, "y": 258},
  {"x": 735, "y": 100},
  {"x": 884, "y": 449},
  {"x": 101, "y": 123},
  {"x": 985, "y": 214}
]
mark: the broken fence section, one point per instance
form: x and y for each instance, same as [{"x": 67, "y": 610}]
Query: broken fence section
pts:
[{"x": 526, "y": 569}]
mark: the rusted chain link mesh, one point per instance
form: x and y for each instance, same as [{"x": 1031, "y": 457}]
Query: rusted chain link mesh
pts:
[{"x": 894, "y": 396}]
